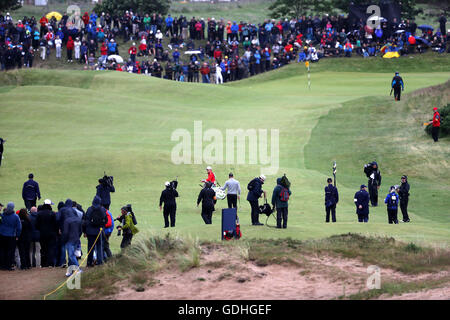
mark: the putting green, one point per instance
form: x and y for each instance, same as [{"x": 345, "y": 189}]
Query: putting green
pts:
[{"x": 68, "y": 127}]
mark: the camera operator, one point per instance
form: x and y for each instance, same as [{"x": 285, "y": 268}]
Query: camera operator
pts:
[
  {"x": 127, "y": 226},
  {"x": 373, "y": 173},
  {"x": 104, "y": 190},
  {"x": 168, "y": 196}
]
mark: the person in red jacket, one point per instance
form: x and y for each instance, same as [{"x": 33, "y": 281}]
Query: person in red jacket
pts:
[
  {"x": 211, "y": 177},
  {"x": 132, "y": 52},
  {"x": 85, "y": 19},
  {"x": 70, "y": 45},
  {"x": 44, "y": 23},
  {"x": 436, "y": 125}
]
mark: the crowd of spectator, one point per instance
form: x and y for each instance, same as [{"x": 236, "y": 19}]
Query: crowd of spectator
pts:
[{"x": 182, "y": 49}]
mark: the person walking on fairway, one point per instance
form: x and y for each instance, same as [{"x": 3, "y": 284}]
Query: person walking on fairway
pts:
[
  {"x": 255, "y": 192},
  {"x": 207, "y": 197},
  {"x": 373, "y": 173},
  {"x": 391, "y": 201},
  {"x": 280, "y": 198},
  {"x": 403, "y": 193},
  {"x": 436, "y": 125},
  {"x": 167, "y": 198},
  {"x": 30, "y": 192},
  {"x": 331, "y": 200},
  {"x": 361, "y": 200},
  {"x": 397, "y": 86},
  {"x": 234, "y": 191}
]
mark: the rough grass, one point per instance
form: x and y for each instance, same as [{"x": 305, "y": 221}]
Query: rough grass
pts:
[{"x": 151, "y": 255}]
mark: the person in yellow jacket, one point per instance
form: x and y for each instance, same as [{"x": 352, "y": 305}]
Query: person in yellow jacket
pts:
[{"x": 128, "y": 227}]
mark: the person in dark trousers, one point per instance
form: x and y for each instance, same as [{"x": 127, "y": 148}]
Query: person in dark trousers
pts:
[
  {"x": 207, "y": 197},
  {"x": 397, "y": 85},
  {"x": 35, "y": 249},
  {"x": 373, "y": 174},
  {"x": 1, "y": 150},
  {"x": 93, "y": 220},
  {"x": 280, "y": 198},
  {"x": 104, "y": 192},
  {"x": 60, "y": 253},
  {"x": 48, "y": 228},
  {"x": 24, "y": 242},
  {"x": 128, "y": 227},
  {"x": 64, "y": 212},
  {"x": 436, "y": 125},
  {"x": 442, "y": 22},
  {"x": 331, "y": 200},
  {"x": 255, "y": 192},
  {"x": 109, "y": 228},
  {"x": 361, "y": 200},
  {"x": 391, "y": 201},
  {"x": 167, "y": 198},
  {"x": 234, "y": 191},
  {"x": 403, "y": 193},
  {"x": 10, "y": 230},
  {"x": 30, "y": 192},
  {"x": 71, "y": 234}
]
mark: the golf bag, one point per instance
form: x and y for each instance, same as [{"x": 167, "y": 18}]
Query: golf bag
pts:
[
  {"x": 267, "y": 210},
  {"x": 231, "y": 228}
]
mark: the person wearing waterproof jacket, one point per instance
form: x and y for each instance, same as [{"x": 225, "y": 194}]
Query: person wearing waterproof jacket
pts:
[
  {"x": 397, "y": 85},
  {"x": 331, "y": 199},
  {"x": 207, "y": 197},
  {"x": 93, "y": 220},
  {"x": 391, "y": 201},
  {"x": 280, "y": 198},
  {"x": 48, "y": 228},
  {"x": 168, "y": 196},
  {"x": 109, "y": 228},
  {"x": 30, "y": 192},
  {"x": 361, "y": 200},
  {"x": 373, "y": 173},
  {"x": 255, "y": 192},
  {"x": 128, "y": 226},
  {"x": 24, "y": 242},
  {"x": 63, "y": 213},
  {"x": 71, "y": 235},
  {"x": 104, "y": 192},
  {"x": 35, "y": 249},
  {"x": 10, "y": 229},
  {"x": 403, "y": 193}
]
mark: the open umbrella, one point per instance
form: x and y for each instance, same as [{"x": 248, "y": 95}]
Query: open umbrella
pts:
[
  {"x": 425, "y": 27},
  {"x": 424, "y": 41},
  {"x": 143, "y": 33},
  {"x": 55, "y": 14},
  {"x": 116, "y": 57},
  {"x": 193, "y": 52}
]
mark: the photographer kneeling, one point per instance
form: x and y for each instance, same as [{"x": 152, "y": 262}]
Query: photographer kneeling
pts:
[{"x": 128, "y": 226}]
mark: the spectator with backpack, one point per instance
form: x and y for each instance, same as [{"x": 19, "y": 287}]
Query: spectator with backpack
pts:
[
  {"x": 331, "y": 199},
  {"x": 128, "y": 226},
  {"x": 391, "y": 201},
  {"x": 255, "y": 192},
  {"x": 93, "y": 220},
  {"x": 361, "y": 200},
  {"x": 280, "y": 198},
  {"x": 109, "y": 228}
]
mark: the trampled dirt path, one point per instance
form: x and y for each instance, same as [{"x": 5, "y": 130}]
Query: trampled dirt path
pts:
[{"x": 30, "y": 284}]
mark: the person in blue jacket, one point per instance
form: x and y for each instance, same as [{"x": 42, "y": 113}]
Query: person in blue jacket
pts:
[
  {"x": 255, "y": 192},
  {"x": 10, "y": 229},
  {"x": 71, "y": 235},
  {"x": 91, "y": 230},
  {"x": 30, "y": 192},
  {"x": 391, "y": 201},
  {"x": 361, "y": 200}
]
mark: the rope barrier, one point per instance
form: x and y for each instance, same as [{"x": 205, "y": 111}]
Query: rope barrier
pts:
[{"x": 76, "y": 271}]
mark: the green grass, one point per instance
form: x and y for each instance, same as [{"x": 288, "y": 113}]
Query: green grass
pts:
[{"x": 68, "y": 127}]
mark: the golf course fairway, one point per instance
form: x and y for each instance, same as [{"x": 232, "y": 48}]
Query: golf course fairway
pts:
[{"x": 69, "y": 127}]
